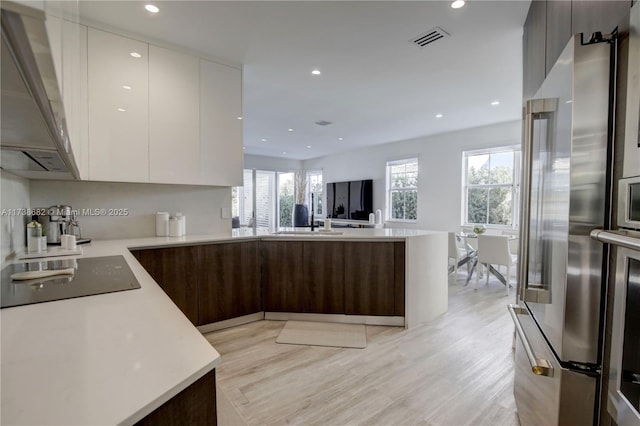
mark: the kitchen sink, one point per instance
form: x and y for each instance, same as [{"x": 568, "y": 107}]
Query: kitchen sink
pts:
[{"x": 319, "y": 232}]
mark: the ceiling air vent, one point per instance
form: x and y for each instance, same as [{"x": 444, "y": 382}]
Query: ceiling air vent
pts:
[
  {"x": 429, "y": 37},
  {"x": 323, "y": 123}
]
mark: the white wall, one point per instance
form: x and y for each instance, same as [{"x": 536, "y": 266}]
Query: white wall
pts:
[
  {"x": 14, "y": 195},
  {"x": 260, "y": 162},
  {"x": 440, "y": 169},
  {"x": 200, "y": 204}
]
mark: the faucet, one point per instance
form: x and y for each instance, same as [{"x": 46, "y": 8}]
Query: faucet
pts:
[{"x": 312, "y": 219}]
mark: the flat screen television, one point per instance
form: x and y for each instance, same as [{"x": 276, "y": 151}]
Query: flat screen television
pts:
[{"x": 351, "y": 200}]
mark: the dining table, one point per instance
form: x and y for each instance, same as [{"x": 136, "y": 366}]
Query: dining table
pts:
[{"x": 471, "y": 242}]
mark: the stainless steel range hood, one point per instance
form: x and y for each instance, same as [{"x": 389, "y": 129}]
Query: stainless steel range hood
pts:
[{"x": 34, "y": 138}]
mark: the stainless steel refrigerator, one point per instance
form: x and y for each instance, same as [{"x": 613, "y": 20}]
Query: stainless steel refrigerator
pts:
[{"x": 565, "y": 194}]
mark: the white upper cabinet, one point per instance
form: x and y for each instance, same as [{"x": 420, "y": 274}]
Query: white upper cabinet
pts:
[
  {"x": 118, "y": 83},
  {"x": 174, "y": 117},
  {"x": 221, "y": 157},
  {"x": 157, "y": 115}
]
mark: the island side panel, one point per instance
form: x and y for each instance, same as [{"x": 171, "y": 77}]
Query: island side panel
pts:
[
  {"x": 399, "y": 280},
  {"x": 427, "y": 292}
]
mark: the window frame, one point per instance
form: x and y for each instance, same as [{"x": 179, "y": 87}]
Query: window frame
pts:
[
  {"x": 514, "y": 185},
  {"x": 308, "y": 175},
  {"x": 389, "y": 189}
]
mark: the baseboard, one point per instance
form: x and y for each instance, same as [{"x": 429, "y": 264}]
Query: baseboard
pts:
[
  {"x": 341, "y": 318},
  {"x": 215, "y": 326}
]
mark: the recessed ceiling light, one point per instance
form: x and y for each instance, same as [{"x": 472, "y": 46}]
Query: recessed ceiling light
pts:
[
  {"x": 457, "y": 4},
  {"x": 495, "y": 103},
  {"x": 263, "y": 140},
  {"x": 290, "y": 130},
  {"x": 316, "y": 72},
  {"x": 308, "y": 146},
  {"x": 125, "y": 87},
  {"x": 569, "y": 101},
  {"x": 340, "y": 139},
  {"x": 135, "y": 55},
  {"x": 244, "y": 147},
  {"x": 439, "y": 115},
  {"x": 152, "y": 8},
  {"x": 239, "y": 117},
  {"x": 284, "y": 152},
  {"x": 121, "y": 109}
]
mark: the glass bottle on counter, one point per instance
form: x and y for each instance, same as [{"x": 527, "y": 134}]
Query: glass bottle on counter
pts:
[{"x": 34, "y": 237}]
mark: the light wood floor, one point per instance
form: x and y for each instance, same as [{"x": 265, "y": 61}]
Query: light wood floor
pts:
[{"x": 455, "y": 370}]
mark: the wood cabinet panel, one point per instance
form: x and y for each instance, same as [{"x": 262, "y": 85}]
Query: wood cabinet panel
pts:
[
  {"x": 369, "y": 278},
  {"x": 175, "y": 269},
  {"x": 399, "y": 278},
  {"x": 323, "y": 277},
  {"x": 282, "y": 276},
  {"x": 196, "y": 405},
  {"x": 558, "y": 17},
  {"x": 229, "y": 281},
  {"x": 589, "y": 16}
]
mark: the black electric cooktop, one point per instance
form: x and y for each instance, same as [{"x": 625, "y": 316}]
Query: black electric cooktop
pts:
[{"x": 93, "y": 275}]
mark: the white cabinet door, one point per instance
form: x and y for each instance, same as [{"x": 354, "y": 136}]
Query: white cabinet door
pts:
[
  {"x": 174, "y": 124},
  {"x": 74, "y": 92},
  {"x": 118, "y": 108},
  {"x": 221, "y": 157}
]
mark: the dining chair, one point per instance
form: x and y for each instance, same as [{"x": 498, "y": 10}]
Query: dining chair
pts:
[
  {"x": 494, "y": 250},
  {"x": 457, "y": 251},
  {"x": 514, "y": 244}
]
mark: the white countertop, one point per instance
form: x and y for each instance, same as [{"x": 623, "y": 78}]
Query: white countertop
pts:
[
  {"x": 103, "y": 359},
  {"x": 114, "y": 358}
]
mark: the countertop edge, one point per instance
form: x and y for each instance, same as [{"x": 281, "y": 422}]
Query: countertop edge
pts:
[{"x": 170, "y": 393}]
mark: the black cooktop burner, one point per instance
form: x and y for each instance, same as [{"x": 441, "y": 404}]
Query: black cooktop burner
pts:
[{"x": 93, "y": 275}]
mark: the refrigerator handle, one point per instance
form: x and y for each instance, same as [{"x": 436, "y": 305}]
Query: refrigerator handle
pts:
[
  {"x": 535, "y": 109},
  {"x": 617, "y": 238},
  {"x": 540, "y": 367}
]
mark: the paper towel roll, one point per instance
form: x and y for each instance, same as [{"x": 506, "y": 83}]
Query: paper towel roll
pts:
[{"x": 327, "y": 224}]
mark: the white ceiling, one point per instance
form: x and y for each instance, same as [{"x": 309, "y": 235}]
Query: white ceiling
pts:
[{"x": 375, "y": 86}]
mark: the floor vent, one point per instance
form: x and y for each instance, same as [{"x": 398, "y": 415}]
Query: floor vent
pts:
[
  {"x": 323, "y": 123},
  {"x": 429, "y": 37}
]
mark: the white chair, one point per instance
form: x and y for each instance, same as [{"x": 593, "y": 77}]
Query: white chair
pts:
[
  {"x": 494, "y": 250},
  {"x": 514, "y": 242},
  {"x": 457, "y": 251}
]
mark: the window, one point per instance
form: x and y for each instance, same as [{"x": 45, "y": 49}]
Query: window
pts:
[
  {"x": 285, "y": 198},
  {"x": 267, "y": 198},
  {"x": 491, "y": 188},
  {"x": 242, "y": 199},
  {"x": 402, "y": 189},
  {"x": 314, "y": 186},
  {"x": 265, "y": 195}
]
